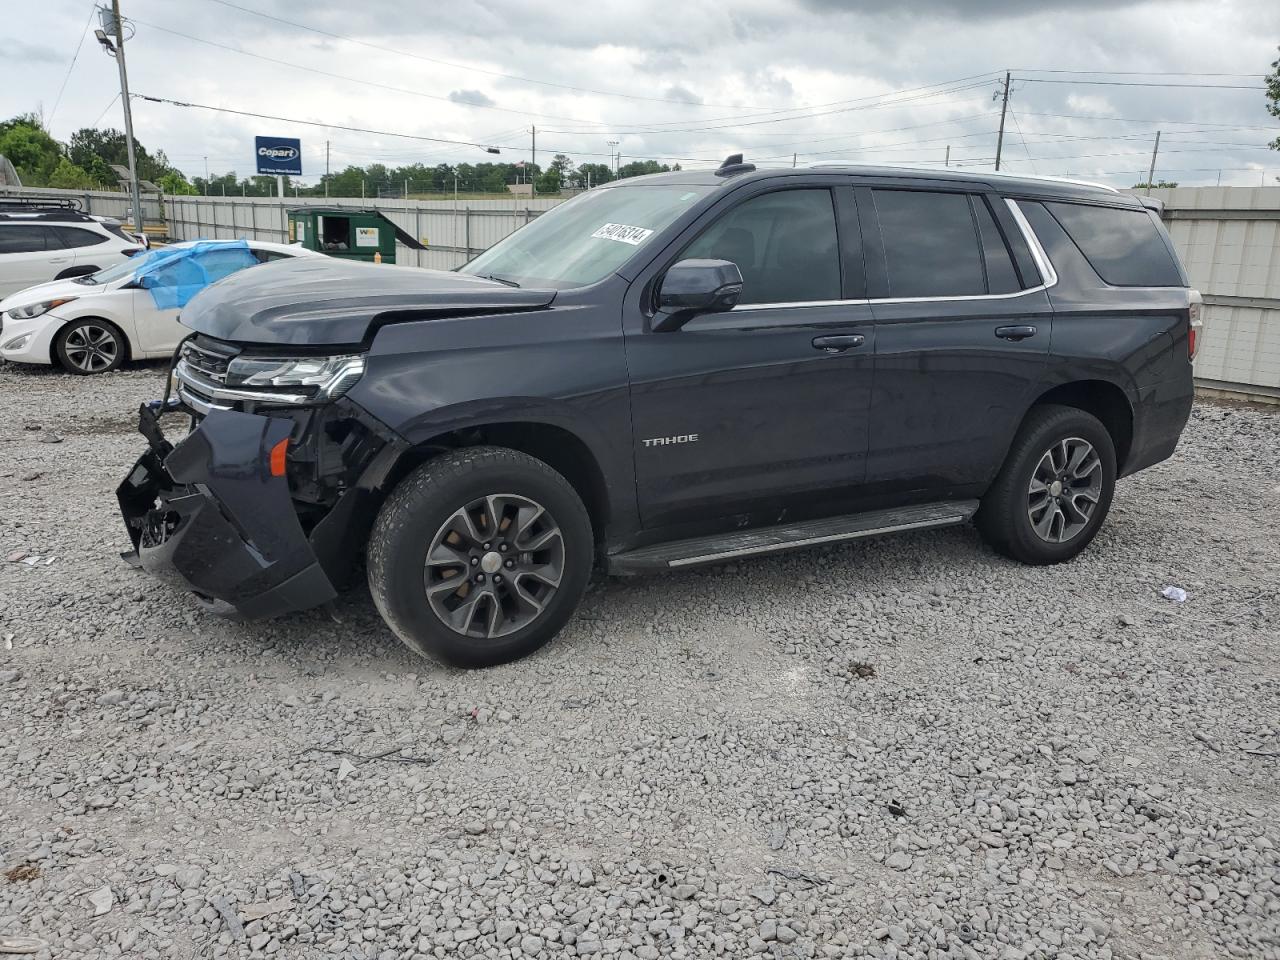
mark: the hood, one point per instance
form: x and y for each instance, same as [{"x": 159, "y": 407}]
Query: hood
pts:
[
  {"x": 324, "y": 301},
  {"x": 49, "y": 291}
]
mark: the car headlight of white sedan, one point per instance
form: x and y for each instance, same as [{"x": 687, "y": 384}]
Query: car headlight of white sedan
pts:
[{"x": 33, "y": 310}]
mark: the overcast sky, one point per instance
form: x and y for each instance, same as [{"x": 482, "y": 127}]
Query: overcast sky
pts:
[{"x": 829, "y": 80}]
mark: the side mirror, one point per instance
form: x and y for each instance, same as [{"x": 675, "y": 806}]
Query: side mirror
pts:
[{"x": 692, "y": 287}]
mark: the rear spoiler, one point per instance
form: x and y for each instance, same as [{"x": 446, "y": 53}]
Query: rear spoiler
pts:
[{"x": 1151, "y": 203}]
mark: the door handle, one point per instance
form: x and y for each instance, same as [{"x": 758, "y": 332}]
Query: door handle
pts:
[
  {"x": 1016, "y": 332},
  {"x": 838, "y": 343},
  {"x": 60, "y": 260}
]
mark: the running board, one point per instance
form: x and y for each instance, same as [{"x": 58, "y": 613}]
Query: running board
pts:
[{"x": 746, "y": 543}]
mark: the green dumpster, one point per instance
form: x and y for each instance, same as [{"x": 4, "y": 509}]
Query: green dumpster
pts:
[{"x": 348, "y": 233}]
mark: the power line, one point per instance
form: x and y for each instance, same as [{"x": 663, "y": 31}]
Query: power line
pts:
[
  {"x": 1138, "y": 73},
  {"x": 391, "y": 133},
  {"x": 105, "y": 109},
  {"x": 1137, "y": 83},
  {"x": 71, "y": 66},
  {"x": 1197, "y": 123}
]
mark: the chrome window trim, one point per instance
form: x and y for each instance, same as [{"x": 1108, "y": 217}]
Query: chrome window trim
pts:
[{"x": 1049, "y": 278}]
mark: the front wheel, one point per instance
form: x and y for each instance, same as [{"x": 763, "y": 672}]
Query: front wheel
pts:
[
  {"x": 480, "y": 556},
  {"x": 1055, "y": 488},
  {"x": 90, "y": 346}
]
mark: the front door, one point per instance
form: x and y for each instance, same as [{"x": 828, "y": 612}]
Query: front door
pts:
[
  {"x": 29, "y": 254},
  {"x": 962, "y": 337},
  {"x": 761, "y": 410}
]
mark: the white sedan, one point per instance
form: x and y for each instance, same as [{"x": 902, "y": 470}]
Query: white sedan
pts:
[{"x": 93, "y": 324}]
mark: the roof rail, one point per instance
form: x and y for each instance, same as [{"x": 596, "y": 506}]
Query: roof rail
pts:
[{"x": 46, "y": 203}]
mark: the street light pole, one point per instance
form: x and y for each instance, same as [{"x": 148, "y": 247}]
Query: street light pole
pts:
[{"x": 116, "y": 25}]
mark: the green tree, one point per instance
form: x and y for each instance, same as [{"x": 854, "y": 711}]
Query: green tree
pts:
[
  {"x": 592, "y": 175},
  {"x": 174, "y": 182},
  {"x": 1273, "y": 95},
  {"x": 638, "y": 168},
  {"x": 95, "y": 149},
  {"x": 1159, "y": 184},
  {"x": 67, "y": 176},
  {"x": 33, "y": 153}
]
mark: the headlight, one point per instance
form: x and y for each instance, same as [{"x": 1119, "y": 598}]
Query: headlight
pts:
[
  {"x": 332, "y": 376},
  {"x": 33, "y": 310}
]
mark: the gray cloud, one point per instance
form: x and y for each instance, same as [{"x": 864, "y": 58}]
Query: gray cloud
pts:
[
  {"x": 748, "y": 70},
  {"x": 16, "y": 50},
  {"x": 474, "y": 98},
  {"x": 677, "y": 92}
]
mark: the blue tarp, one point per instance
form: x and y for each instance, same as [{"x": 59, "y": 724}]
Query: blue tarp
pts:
[{"x": 175, "y": 275}]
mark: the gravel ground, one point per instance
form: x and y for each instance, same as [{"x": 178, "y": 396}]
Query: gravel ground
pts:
[{"x": 899, "y": 748}]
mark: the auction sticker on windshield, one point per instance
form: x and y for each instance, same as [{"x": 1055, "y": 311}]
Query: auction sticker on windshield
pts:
[{"x": 623, "y": 233}]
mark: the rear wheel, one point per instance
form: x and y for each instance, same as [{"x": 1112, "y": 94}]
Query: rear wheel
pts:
[
  {"x": 480, "y": 556},
  {"x": 1055, "y": 488},
  {"x": 90, "y": 346}
]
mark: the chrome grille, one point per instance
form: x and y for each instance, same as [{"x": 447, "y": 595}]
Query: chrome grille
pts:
[{"x": 207, "y": 358}]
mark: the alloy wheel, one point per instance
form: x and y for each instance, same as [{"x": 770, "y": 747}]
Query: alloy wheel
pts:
[
  {"x": 494, "y": 565},
  {"x": 91, "y": 348},
  {"x": 1065, "y": 488}
]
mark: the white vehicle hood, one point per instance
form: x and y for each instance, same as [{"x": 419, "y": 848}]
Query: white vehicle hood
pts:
[{"x": 51, "y": 291}]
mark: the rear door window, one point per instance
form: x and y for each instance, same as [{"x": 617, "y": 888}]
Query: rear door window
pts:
[
  {"x": 78, "y": 237},
  {"x": 1001, "y": 276},
  {"x": 26, "y": 238},
  {"x": 931, "y": 244},
  {"x": 785, "y": 244},
  {"x": 1124, "y": 247}
]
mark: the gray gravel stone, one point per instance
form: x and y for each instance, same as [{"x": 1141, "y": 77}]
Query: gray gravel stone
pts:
[{"x": 1028, "y": 773}]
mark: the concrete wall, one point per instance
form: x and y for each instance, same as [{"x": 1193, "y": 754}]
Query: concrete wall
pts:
[{"x": 1229, "y": 241}]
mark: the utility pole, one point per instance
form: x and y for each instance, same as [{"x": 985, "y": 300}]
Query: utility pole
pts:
[
  {"x": 947, "y": 161},
  {"x": 1004, "y": 109},
  {"x": 793, "y": 161},
  {"x": 533, "y": 162},
  {"x": 1151, "y": 173},
  {"x": 612, "y": 144},
  {"x": 206, "y": 176},
  {"x": 112, "y": 23}
]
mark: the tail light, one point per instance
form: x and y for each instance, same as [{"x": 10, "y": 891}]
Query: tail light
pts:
[{"x": 1195, "y": 331}]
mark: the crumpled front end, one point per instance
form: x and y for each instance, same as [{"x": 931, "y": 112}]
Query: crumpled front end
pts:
[{"x": 214, "y": 514}]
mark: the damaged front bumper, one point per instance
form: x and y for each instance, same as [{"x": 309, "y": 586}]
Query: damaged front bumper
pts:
[{"x": 214, "y": 514}]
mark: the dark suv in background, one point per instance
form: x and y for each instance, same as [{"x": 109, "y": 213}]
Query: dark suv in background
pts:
[{"x": 667, "y": 371}]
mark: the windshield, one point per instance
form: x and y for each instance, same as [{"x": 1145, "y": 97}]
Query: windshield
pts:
[
  {"x": 585, "y": 239},
  {"x": 121, "y": 270}
]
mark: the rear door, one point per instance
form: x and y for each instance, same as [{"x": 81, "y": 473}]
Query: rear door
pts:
[
  {"x": 963, "y": 326},
  {"x": 763, "y": 409},
  {"x": 29, "y": 254},
  {"x": 86, "y": 246}
]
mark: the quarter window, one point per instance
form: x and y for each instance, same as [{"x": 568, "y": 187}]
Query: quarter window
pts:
[
  {"x": 931, "y": 247},
  {"x": 1124, "y": 247},
  {"x": 784, "y": 243},
  {"x": 26, "y": 238},
  {"x": 77, "y": 237}
]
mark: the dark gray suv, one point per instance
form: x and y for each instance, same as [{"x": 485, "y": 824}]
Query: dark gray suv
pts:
[{"x": 667, "y": 371}]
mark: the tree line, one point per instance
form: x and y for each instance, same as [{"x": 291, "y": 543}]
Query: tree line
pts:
[{"x": 84, "y": 163}]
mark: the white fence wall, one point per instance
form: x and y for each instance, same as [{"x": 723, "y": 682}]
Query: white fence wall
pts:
[
  {"x": 452, "y": 234},
  {"x": 1229, "y": 241},
  {"x": 1228, "y": 237}
]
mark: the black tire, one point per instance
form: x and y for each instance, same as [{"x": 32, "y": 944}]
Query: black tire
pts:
[
  {"x": 1005, "y": 516},
  {"x": 90, "y": 345},
  {"x": 416, "y": 513}
]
